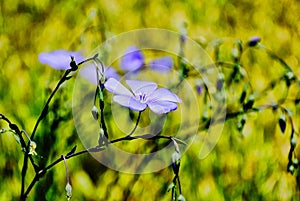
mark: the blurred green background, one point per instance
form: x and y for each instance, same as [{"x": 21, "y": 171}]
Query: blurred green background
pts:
[{"x": 247, "y": 165}]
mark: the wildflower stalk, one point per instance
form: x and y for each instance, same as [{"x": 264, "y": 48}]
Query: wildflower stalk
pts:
[
  {"x": 17, "y": 131},
  {"x": 136, "y": 124},
  {"x": 64, "y": 78},
  {"x": 43, "y": 114},
  {"x": 94, "y": 149},
  {"x": 46, "y": 106},
  {"x": 99, "y": 91}
]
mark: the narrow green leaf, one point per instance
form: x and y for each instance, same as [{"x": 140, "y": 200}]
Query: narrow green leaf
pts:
[
  {"x": 171, "y": 186},
  {"x": 72, "y": 151}
]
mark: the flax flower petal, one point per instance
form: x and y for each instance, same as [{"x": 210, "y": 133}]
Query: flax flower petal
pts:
[
  {"x": 59, "y": 59},
  {"x": 164, "y": 94},
  {"x": 129, "y": 102},
  {"x": 161, "y": 107},
  {"x": 141, "y": 86},
  {"x": 116, "y": 87},
  {"x": 89, "y": 73},
  {"x": 132, "y": 60},
  {"x": 162, "y": 64}
]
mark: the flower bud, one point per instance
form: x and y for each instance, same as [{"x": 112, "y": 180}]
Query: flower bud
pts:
[
  {"x": 32, "y": 147},
  {"x": 254, "y": 41},
  {"x": 296, "y": 162},
  {"x": 73, "y": 64},
  {"x": 69, "y": 191},
  {"x": 176, "y": 162},
  {"x": 95, "y": 112},
  {"x": 183, "y": 32},
  {"x": 289, "y": 77},
  {"x": 291, "y": 169},
  {"x": 293, "y": 142},
  {"x": 235, "y": 54},
  {"x": 181, "y": 198},
  {"x": 220, "y": 82},
  {"x": 199, "y": 86},
  {"x": 171, "y": 186}
]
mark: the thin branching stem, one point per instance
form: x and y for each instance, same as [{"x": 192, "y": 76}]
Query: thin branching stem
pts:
[
  {"x": 136, "y": 124},
  {"x": 44, "y": 112},
  {"x": 46, "y": 106},
  {"x": 97, "y": 148}
]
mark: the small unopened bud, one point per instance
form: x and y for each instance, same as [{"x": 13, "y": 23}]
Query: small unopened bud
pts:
[
  {"x": 176, "y": 162},
  {"x": 241, "y": 123},
  {"x": 32, "y": 147},
  {"x": 102, "y": 78},
  {"x": 183, "y": 32},
  {"x": 199, "y": 86},
  {"x": 102, "y": 132},
  {"x": 220, "y": 82},
  {"x": 171, "y": 186},
  {"x": 69, "y": 191},
  {"x": 235, "y": 54},
  {"x": 95, "y": 112},
  {"x": 102, "y": 140},
  {"x": 296, "y": 162},
  {"x": 181, "y": 198},
  {"x": 289, "y": 77},
  {"x": 205, "y": 115},
  {"x": 254, "y": 41},
  {"x": 73, "y": 64},
  {"x": 291, "y": 169}
]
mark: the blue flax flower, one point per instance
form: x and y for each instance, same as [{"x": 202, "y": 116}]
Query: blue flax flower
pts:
[
  {"x": 59, "y": 59},
  {"x": 134, "y": 60},
  {"x": 142, "y": 95},
  {"x": 89, "y": 72}
]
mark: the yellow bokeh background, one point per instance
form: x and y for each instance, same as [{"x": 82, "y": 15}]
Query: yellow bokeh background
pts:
[{"x": 246, "y": 165}]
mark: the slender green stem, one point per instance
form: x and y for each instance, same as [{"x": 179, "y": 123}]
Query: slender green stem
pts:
[
  {"x": 101, "y": 105},
  {"x": 45, "y": 109},
  {"x": 179, "y": 184},
  {"x": 61, "y": 81},
  {"x": 42, "y": 115},
  {"x": 40, "y": 118},
  {"x": 67, "y": 168},
  {"x": 16, "y": 129},
  {"x": 136, "y": 124},
  {"x": 97, "y": 148}
]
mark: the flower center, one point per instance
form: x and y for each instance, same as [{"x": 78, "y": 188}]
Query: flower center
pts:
[{"x": 142, "y": 97}]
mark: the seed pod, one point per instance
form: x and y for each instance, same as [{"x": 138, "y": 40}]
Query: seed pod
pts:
[
  {"x": 73, "y": 64},
  {"x": 181, "y": 198},
  {"x": 282, "y": 123},
  {"x": 69, "y": 191},
  {"x": 95, "y": 112},
  {"x": 254, "y": 41},
  {"x": 176, "y": 162}
]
